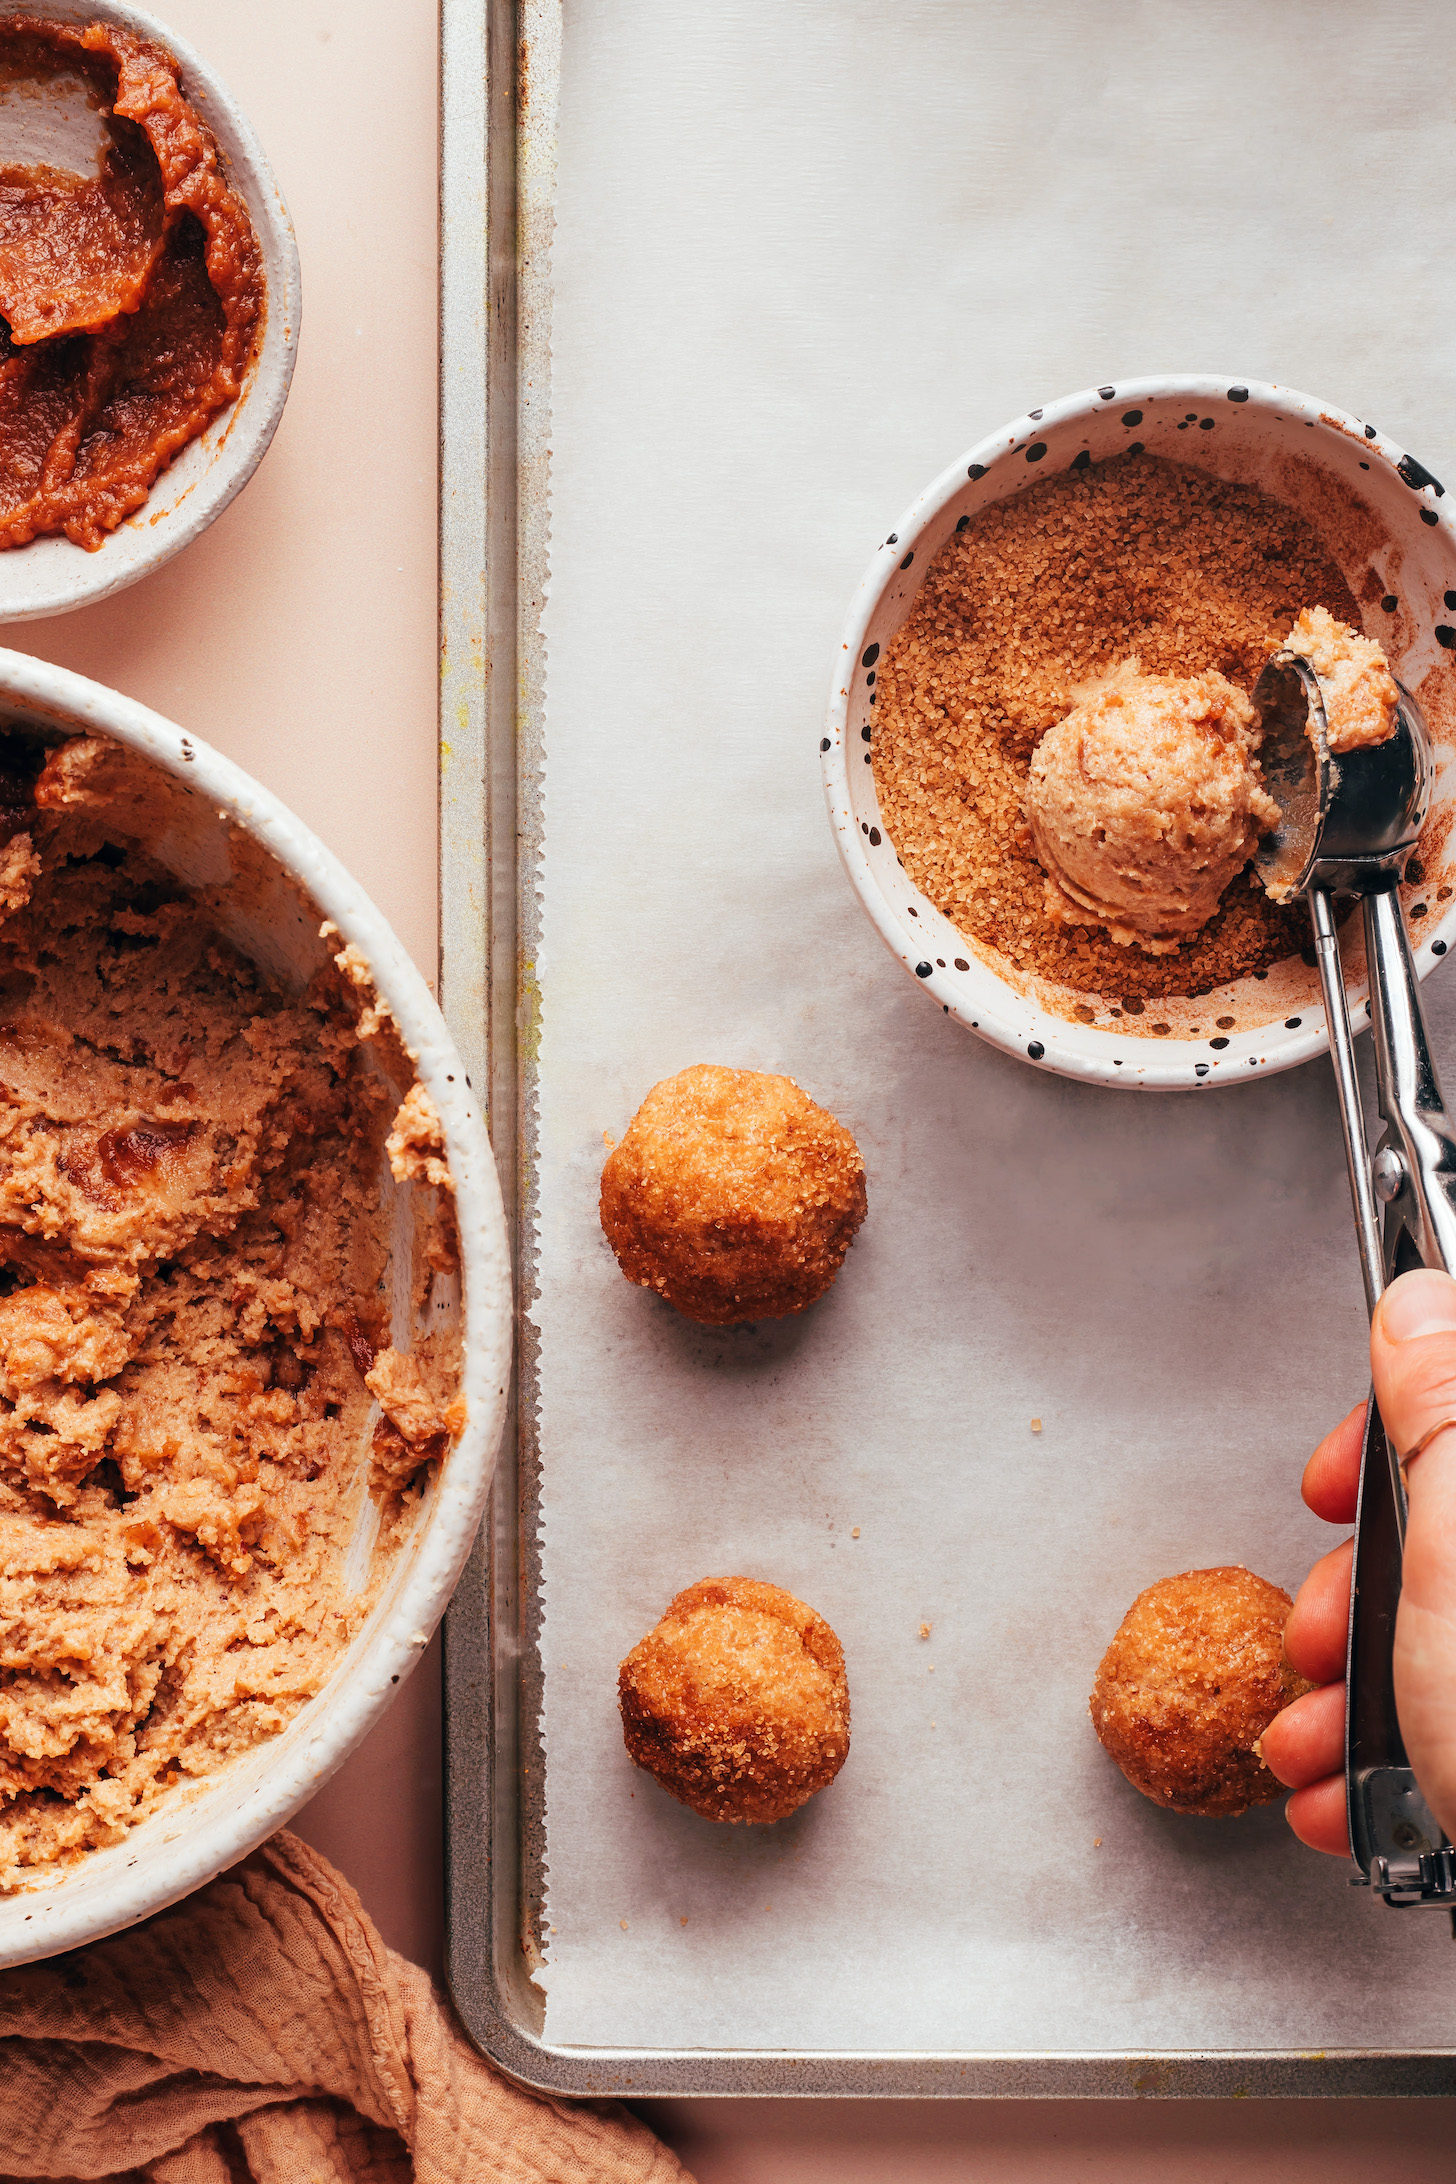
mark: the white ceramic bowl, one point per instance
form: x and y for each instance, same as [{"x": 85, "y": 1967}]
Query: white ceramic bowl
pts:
[
  {"x": 1401, "y": 542},
  {"x": 51, "y": 576},
  {"x": 202, "y": 1827}
]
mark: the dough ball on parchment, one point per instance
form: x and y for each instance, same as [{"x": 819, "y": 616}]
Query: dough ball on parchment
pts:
[
  {"x": 732, "y": 1195},
  {"x": 1190, "y": 1683},
  {"x": 737, "y": 1702}
]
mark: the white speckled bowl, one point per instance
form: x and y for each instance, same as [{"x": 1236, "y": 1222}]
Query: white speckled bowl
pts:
[
  {"x": 202, "y": 1827},
  {"x": 1388, "y": 525},
  {"x": 51, "y": 576}
]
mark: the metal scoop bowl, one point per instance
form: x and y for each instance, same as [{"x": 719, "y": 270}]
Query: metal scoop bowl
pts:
[{"x": 1349, "y": 824}]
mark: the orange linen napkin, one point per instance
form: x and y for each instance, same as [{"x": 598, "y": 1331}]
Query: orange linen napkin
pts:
[{"x": 261, "y": 2033}]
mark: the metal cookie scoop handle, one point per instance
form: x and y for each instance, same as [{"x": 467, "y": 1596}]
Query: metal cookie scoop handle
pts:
[{"x": 1349, "y": 825}]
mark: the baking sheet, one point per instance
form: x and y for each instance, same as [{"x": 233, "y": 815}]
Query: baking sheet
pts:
[{"x": 801, "y": 257}]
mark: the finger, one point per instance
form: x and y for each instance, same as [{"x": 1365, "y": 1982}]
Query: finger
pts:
[
  {"x": 1316, "y": 1634},
  {"x": 1413, "y": 1363},
  {"x": 1317, "y": 1816},
  {"x": 1332, "y": 1475},
  {"x": 1307, "y": 1741},
  {"x": 1413, "y": 1359}
]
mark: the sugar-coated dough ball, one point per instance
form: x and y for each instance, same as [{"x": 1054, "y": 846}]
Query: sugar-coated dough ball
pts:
[
  {"x": 732, "y": 1195},
  {"x": 1190, "y": 1683},
  {"x": 1145, "y": 801},
  {"x": 737, "y": 1702}
]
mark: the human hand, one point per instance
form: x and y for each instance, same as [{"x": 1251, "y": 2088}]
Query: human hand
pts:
[{"x": 1413, "y": 1368}]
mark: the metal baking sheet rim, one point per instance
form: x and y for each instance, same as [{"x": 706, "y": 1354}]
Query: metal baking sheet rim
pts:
[{"x": 499, "y": 61}]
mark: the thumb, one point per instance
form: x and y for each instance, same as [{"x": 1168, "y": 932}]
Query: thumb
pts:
[{"x": 1413, "y": 1365}]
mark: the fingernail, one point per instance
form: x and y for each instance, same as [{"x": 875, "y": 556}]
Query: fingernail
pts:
[{"x": 1423, "y": 1303}]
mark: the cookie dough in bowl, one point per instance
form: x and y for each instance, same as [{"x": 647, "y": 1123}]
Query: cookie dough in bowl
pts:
[
  {"x": 1040, "y": 759},
  {"x": 254, "y": 1312}
]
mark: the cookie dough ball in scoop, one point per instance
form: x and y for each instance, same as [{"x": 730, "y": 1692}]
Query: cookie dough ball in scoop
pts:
[
  {"x": 737, "y": 1702},
  {"x": 1188, "y": 1686},
  {"x": 1362, "y": 701},
  {"x": 1145, "y": 801},
  {"x": 732, "y": 1195}
]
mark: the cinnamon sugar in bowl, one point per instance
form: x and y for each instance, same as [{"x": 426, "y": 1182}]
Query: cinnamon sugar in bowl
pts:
[{"x": 1182, "y": 522}]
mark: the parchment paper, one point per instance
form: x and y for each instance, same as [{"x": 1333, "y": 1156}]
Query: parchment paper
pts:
[{"x": 804, "y": 255}]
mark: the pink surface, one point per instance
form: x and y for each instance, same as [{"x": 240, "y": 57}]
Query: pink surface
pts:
[
  {"x": 1061, "y": 2142},
  {"x": 299, "y": 636}
]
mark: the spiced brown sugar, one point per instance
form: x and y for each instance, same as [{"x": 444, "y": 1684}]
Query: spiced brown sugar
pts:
[{"x": 1040, "y": 596}]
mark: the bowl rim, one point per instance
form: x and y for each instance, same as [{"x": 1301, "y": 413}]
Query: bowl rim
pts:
[
  {"x": 236, "y": 439},
  {"x": 37, "y": 1920},
  {"x": 1003, "y": 1017}
]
